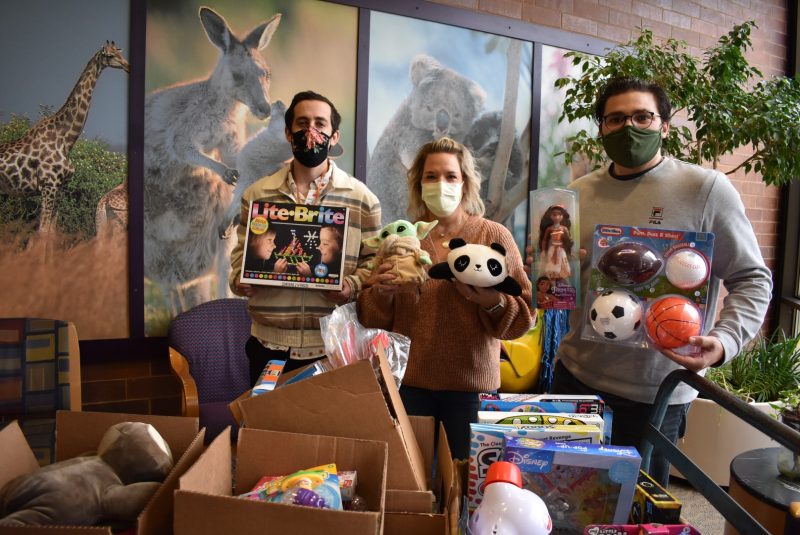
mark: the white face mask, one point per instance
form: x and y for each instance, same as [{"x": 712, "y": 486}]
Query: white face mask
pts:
[{"x": 442, "y": 198}]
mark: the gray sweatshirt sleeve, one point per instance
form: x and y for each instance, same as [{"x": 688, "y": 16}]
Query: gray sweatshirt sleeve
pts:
[{"x": 739, "y": 265}]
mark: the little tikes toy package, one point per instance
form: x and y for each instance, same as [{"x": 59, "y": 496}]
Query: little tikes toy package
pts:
[{"x": 648, "y": 287}]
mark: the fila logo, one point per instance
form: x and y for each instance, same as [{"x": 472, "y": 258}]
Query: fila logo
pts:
[{"x": 656, "y": 215}]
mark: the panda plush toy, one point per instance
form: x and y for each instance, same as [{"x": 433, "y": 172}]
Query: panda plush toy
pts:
[{"x": 477, "y": 265}]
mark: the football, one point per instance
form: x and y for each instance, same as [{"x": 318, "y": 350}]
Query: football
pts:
[
  {"x": 629, "y": 263},
  {"x": 616, "y": 314}
]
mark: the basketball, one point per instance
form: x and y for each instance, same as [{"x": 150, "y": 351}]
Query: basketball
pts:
[
  {"x": 686, "y": 269},
  {"x": 671, "y": 320}
]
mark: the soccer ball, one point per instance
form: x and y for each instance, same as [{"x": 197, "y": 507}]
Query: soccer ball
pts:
[{"x": 616, "y": 314}]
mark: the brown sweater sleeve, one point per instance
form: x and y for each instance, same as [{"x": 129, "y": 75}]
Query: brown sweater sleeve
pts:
[{"x": 517, "y": 318}]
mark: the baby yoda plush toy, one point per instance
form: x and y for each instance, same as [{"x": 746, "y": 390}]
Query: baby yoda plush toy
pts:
[
  {"x": 399, "y": 243},
  {"x": 111, "y": 487}
]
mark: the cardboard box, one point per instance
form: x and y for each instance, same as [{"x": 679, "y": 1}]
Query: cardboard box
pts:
[
  {"x": 412, "y": 511},
  {"x": 585, "y": 483},
  {"x": 79, "y": 432},
  {"x": 205, "y": 503},
  {"x": 652, "y": 503},
  {"x": 346, "y": 402}
]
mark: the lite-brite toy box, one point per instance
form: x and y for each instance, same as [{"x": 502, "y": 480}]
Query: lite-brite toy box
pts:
[
  {"x": 652, "y": 503},
  {"x": 486, "y": 447},
  {"x": 293, "y": 245},
  {"x": 648, "y": 287},
  {"x": 581, "y": 484}
]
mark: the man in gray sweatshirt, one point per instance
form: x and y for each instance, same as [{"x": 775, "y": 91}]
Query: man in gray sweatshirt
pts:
[{"x": 643, "y": 188}]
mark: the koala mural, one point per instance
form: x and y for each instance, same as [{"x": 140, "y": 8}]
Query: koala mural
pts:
[
  {"x": 442, "y": 103},
  {"x": 482, "y": 140}
]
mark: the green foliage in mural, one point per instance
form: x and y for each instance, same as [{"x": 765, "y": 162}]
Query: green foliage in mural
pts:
[
  {"x": 97, "y": 171},
  {"x": 728, "y": 103}
]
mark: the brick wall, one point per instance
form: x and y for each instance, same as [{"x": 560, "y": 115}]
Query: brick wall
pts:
[
  {"x": 146, "y": 386},
  {"x": 699, "y": 23},
  {"x": 133, "y": 386}
]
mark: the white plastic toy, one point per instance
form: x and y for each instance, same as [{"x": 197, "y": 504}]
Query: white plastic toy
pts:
[
  {"x": 616, "y": 314},
  {"x": 507, "y": 508},
  {"x": 686, "y": 269}
]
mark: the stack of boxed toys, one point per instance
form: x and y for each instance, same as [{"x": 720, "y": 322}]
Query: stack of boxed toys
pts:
[
  {"x": 382, "y": 460},
  {"x": 560, "y": 443}
]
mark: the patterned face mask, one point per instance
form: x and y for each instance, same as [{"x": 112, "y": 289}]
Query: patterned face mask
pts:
[{"x": 310, "y": 146}]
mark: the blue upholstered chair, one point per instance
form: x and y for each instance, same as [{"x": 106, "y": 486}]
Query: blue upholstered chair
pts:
[
  {"x": 40, "y": 373},
  {"x": 206, "y": 352}
]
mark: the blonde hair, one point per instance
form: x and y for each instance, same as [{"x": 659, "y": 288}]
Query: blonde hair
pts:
[{"x": 471, "y": 201}]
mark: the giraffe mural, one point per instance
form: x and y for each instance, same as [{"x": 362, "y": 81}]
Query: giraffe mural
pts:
[
  {"x": 112, "y": 210},
  {"x": 39, "y": 161}
]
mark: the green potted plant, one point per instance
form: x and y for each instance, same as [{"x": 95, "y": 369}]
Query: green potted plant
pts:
[
  {"x": 788, "y": 408},
  {"x": 720, "y": 103},
  {"x": 766, "y": 374}
]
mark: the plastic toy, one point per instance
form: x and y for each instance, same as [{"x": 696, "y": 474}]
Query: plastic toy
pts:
[
  {"x": 477, "y": 265},
  {"x": 686, "y": 269},
  {"x": 671, "y": 320},
  {"x": 508, "y": 509},
  {"x": 519, "y": 367},
  {"x": 629, "y": 263},
  {"x": 616, "y": 314}
]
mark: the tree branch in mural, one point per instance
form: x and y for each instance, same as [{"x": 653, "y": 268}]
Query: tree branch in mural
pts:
[
  {"x": 193, "y": 134},
  {"x": 501, "y": 162},
  {"x": 38, "y": 162}
]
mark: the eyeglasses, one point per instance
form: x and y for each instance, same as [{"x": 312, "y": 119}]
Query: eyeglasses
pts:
[{"x": 640, "y": 119}]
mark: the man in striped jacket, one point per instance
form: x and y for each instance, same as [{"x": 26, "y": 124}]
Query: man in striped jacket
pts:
[{"x": 286, "y": 320}]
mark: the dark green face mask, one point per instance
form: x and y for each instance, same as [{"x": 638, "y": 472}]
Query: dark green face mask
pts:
[{"x": 631, "y": 147}]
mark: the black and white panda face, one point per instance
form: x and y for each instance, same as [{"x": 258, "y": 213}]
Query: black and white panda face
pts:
[{"x": 478, "y": 265}]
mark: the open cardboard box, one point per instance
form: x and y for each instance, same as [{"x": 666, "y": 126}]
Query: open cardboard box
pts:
[
  {"x": 412, "y": 511},
  {"x": 80, "y": 432},
  {"x": 346, "y": 402},
  {"x": 205, "y": 503}
]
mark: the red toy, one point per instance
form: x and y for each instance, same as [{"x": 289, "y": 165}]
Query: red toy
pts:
[{"x": 671, "y": 320}]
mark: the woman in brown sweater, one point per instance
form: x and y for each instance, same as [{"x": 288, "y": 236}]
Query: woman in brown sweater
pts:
[{"x": 455, "y": 329}]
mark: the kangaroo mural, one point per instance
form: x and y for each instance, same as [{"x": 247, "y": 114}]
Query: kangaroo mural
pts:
[
  {"x": 39, "y": 161},
  {"x": 193, "y": 133}
]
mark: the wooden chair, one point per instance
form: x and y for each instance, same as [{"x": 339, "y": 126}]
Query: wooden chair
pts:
[
  {"x": 40, "y": 373},
  {"x": 206, "y": 352}
]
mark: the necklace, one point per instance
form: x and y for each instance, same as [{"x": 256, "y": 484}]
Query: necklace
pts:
[{"x": 452, "y": 233}]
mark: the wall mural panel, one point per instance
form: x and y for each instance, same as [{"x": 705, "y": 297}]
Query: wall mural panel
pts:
[
  {"x": 553, "y": 138},
  {"x": 63, "y": 163},
  {"x": 472, "y": 86},
  {"x": 213, "y": 125}
]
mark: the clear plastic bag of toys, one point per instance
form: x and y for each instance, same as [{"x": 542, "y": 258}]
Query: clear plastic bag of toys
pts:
[
  {"x": 648, "y": 287},
  {"x": 347, "y": 341}
]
